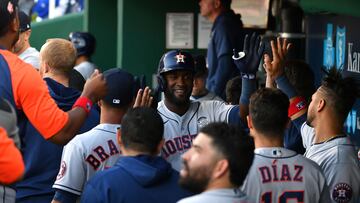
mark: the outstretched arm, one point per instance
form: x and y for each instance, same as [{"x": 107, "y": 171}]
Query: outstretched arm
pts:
[
  {"x": 275, "y": 69},
  {"x": 94, "y": 89},
  {"x": 143, "y": 98},
  {"x": 248, "y": 62}
]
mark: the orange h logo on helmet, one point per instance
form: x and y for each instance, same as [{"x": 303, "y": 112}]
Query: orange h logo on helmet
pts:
[{"x": 180, "y": 58}]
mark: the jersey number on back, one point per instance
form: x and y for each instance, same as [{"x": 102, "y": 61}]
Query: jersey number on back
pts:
[{"x": 296, "y": 195}]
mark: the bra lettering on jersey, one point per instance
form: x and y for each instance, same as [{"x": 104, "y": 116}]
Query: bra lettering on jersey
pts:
[
  {"x": 177, "y": 144},
  {"x": 102, "y": 154},
  {"x": 282, "y": 174}
]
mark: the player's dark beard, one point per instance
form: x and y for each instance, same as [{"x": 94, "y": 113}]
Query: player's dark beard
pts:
[
  {"x": 173, "y": 99},
  {"x": 196, "y": 181}
]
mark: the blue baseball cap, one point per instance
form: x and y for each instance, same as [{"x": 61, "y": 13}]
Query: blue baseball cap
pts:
[{"x": 121, "y": 87}]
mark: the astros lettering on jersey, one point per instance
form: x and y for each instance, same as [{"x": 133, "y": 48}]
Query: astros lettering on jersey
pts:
[{"x": 179, "y": 131}]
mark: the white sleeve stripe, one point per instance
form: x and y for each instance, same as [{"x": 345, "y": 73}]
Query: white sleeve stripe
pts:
[{"x": 67, "y": 189}]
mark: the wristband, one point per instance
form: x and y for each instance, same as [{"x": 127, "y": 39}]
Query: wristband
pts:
[
  {"x": 285, "y": 86},
  {"x": 84, "y": 103},
  {"x": 247, "y": 88},
  {"x": 296, "y": 106}
]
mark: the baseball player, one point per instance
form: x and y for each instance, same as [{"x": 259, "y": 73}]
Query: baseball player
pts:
[
  {"x": 279, "y": 174},
  {"x": 96, "y": 149},
  {"x": 84, "y": 43},
  {"x": 22, "y": 47},
  {"x": 322, "y": 133},
  {"x": 233, "y": 90},
  {"x": 199, "y": 91},
  {"x": 140, "y": 175},
  {"x": 42, "y": 158},
  {"x": 212, "y": 167},
  {"x": 183, "y": 118}
]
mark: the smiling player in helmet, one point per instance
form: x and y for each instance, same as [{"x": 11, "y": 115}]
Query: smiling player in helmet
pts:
[{"x": 184, "y": 118}]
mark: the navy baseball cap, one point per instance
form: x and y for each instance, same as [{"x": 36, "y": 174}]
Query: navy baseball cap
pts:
[
  {"x": 121, "y": 87},
  {"x": 24, "y": 21}
]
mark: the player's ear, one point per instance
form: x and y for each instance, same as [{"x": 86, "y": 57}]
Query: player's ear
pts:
[
  {"x": 221, "y": 167},
  {"x": 321, "y": 105},
  {"x": 27, "y": 35},
  {"x": 47, "y": 68},
  {"x": 249, "y": 122}
]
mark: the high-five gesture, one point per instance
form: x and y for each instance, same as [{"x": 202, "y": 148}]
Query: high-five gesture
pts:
[
  {"x": 275, "y": 67},
  {"x": 248, "y": 60},
  {"x": 143, "y": 98}
]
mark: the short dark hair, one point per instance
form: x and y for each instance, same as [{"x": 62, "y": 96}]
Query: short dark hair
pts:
[
  {"x": 340, "y": 92},
  {"x": 200, "y": 66},
  {"x": 233, "y": 90},
  {"x": 8, "y": 11},
  {"x": 236, "y": 146},
  {"x": 142, "y": 129},
  {"x": 268, "y": 111},
  {"x": 296, "y": 71}
]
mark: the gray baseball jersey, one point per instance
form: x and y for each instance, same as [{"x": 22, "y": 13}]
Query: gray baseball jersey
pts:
[
  {"x": 31, "y": 56},
  {"x": 7, "y": 194},
  {"x": 338, "y": 160},
  {"x": 86, "y": 154},
  {"x": 179, "y": 131},
  {"x": 280, "y": 175},
  {"x": 218, "y": 196},
  {"x": 209, "y": 96},
  {"x": 86, "y": 69}
]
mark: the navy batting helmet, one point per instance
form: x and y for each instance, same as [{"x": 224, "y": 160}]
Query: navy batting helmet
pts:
[
  {"x": 84, "y": 43},
  {"x": 171, "y": 61}
]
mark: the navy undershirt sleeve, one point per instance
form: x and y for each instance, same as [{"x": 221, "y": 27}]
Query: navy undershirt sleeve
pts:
[
  {"x": 234, "y": 118},
  {"x": 63, "y": 196}
]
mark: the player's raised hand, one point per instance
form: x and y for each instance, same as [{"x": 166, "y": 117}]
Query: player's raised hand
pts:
[
  {"x": 95, "y": 87},
  {"x": 248, "y": 60},
  {"x": 143, "y": 98},
  {"x": 275, "y": 67}
]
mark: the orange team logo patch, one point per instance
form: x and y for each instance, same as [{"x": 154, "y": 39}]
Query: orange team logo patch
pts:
[{"x": 180, "y": 58}]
